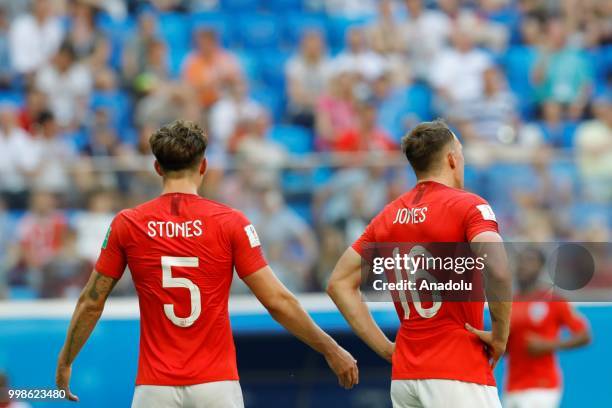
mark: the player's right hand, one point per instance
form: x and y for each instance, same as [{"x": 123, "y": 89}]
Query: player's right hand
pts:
[
  {"x": 62, "y": 380},
  {"x": 344, "y": 366},
  {"x": 495, "y": 348}
]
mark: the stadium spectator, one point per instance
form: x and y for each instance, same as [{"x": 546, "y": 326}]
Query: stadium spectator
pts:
[
  {"x": 67, "y": 272},
  {"x": 16, "y": 161},
  {"x": 209, "y": 67},
  {"x": 425, "y": 33},
  {"x": 6, "y": 70},
  {"x": 5, "y": 400},
  {"x": 365, "y": 135},
  {"x": 307, "y": 76},
  {"x": 457, "y": 72},
  {"x": 52, "y": 153},
  {"x": 350, "y": 8},
  {"x": 335, "y": 108},
  {"x": 385, "y": 33},
  {"x": 556, "y": 130},
  {"x": 6, "y": 243},
  {"x": 91, "y": 225},
  {"x": 392, "y": 105},
  {"x": 67, "y": 85},
  {"x": 290, "y": 243},
  {"x": 83, "y": 34},
  {"x": 562, "y": 73},
  {"x": 358, "y": 56},
  {"x": 230, "y": 112},
  {"x": 351, "y": 197},
  {"x": 493, "y": 114},
  {"x": 35, "y": 103},
  {"x": 136, "y": 50},
  {"x": 164, "y": 101},
  {"x": 594, "y": 151},
  {"x": 254, "y": 147},
  {"x": 35, "y": 37},
  {"x": 39, "y": 236}
]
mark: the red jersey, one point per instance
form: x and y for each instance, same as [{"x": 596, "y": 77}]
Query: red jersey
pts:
[
  {"x": 532, "y": 316},
  {"x": 181, "y": 250},
  {"x": 436, "y": 345}
]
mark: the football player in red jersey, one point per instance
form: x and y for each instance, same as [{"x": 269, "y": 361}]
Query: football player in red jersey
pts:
[
  {"x": 534, "y": 375},
  {"x": 181, "y": 250},
  {"x": 438, "y": 358}
]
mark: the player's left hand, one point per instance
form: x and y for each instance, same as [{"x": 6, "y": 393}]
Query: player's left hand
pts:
[
  {"x": 539, "y": 346},
  {"x": 62, "y": 380},
  {"x": 496, "y": 349}
]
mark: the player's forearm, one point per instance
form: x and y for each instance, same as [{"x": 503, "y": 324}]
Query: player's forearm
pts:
[
  {"x": 84, "y": 319},
  {"x": 348, "y": 300},
  {"x": 290, "y": 314},
  {"x": 86, "y": 315},
  {"x": 500, "y": 320},
  {"x": 578, "y": 340}
]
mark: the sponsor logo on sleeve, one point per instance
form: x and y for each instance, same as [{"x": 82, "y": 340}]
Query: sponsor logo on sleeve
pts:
[
  {"x": 487, "y": 212},
  {"x": 252, "y": 235}
]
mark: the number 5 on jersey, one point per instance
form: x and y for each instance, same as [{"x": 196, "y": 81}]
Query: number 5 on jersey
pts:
[{"x": 168, "y": 281}]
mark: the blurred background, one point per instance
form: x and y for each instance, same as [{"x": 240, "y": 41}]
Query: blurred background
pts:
[{"x": 304, "y": 103}]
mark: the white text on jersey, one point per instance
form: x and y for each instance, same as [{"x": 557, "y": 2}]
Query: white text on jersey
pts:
[
  {"x": 169, "y": 229},
  {"x": 410, "y": 215}
]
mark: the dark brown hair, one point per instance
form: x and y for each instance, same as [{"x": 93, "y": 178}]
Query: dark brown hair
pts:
[
  {"x": 423, "y": 145},
  {"x": 178, "y": 145}
]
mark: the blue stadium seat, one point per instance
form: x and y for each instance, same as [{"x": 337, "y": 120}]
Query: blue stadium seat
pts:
[
  {"x": 272, "y": 68},
  {"x": 174, "y": 29},
  {"x": 250, "y": 65},
  {"x": 259, "y": 31},
  {"x": 297, "y": 24},
  {"x": 118, "y": 32},
  {"x": 217, "y": 22},
  {"x": 240, "y": 6},
  {"x": 12, "y": 98},
  {"x": 504, "y": 179},
  {"x": 280, "y": 6},
  {"x": 565, "y": 172},
  {"x": 588, "y": 214},
  {"x": 338, "y": 26},
  {"x": 272, "y": 98},
  {"x": 22, "y": 293},
  {"x": 117, "y": 105},
  {"x": 518, "y": 63},
  {"x": 296, "y": 139},
  {"x": 302, "y": 208}
]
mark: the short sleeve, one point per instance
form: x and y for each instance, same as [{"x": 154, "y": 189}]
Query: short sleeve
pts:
[
  {"x": 571, "y": 319},
  {"x": 246, "y": 247},
  {"x": 367, "y": 238},
  {"x": 112, "y": 259},
  {"x": 479, "y": 217}
]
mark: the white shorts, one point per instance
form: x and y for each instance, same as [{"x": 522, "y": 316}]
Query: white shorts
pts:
[
  {"x": 442, "y": 394},
  {"x": 533, "y": 398},
  {"x": 218, "y": 394}
]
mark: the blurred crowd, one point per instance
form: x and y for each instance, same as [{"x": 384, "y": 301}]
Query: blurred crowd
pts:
[{"x": 305, "y": 103}]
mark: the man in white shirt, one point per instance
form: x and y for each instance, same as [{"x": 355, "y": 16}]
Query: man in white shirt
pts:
[
  {"x": 457, "y": 73},
  {"x": 35, "y": 37},
  {"x": 359, "y": 57},
  {"x": 16, "y": 159},
  {"x": 67, "y": 85}
]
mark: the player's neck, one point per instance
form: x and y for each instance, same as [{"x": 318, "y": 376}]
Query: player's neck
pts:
[
  {"x": 181, "y": 185},
  {"x": 442, "y": 179}
]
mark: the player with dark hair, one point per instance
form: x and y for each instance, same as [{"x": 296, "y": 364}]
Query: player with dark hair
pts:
[
  {"x": 438, "y": 358},
  {"x": 534, "y": 375},
  {"x": 181, "y": 250}
]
